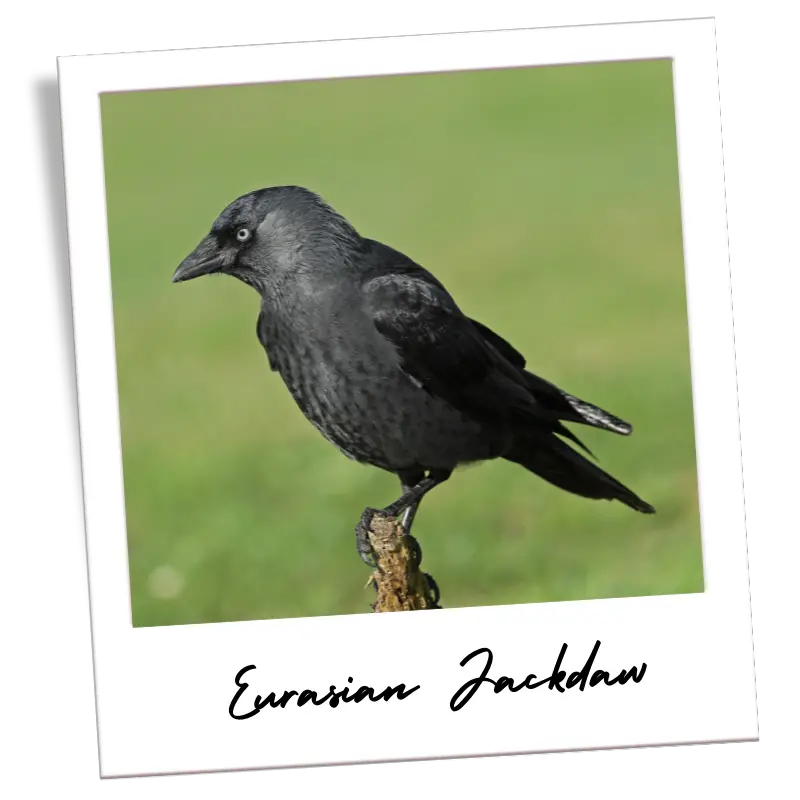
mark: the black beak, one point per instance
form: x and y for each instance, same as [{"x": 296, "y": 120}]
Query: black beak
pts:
[{"x": 203, "y": 260}]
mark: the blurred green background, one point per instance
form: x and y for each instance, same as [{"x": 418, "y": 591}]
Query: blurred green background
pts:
[{"x": 546, "y": 199}]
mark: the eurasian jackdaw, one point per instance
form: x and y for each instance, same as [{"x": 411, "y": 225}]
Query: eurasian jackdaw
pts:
[{"x": 382, "y": 361}]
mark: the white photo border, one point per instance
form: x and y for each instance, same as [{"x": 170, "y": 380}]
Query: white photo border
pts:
[{"x": 163, "y": 693}]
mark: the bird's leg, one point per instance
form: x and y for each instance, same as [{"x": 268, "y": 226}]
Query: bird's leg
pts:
[
  {"x": 407, "y": 520},
  {"x": 408, "y": 480},
  {"x": 412, "y": 494}
]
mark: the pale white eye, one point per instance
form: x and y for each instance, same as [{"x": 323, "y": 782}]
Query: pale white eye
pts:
[{"x": 243, "y": 234}]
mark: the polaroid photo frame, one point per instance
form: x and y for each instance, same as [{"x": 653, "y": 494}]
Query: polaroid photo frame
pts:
[{"x": 559, "y": 676}]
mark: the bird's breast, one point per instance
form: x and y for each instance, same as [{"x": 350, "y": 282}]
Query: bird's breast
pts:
[{"x": 350, "y": 386}]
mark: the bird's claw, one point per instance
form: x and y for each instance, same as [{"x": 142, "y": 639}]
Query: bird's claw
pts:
[
  {"x": 363, "y": 543},
  {"x": 414, "y": 549},
  {"x": 434, "y": 589},
  {"x": 369, "y": 557}
]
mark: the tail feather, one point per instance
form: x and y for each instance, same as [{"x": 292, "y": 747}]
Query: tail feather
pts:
[
  {"x": 568, "y": 434},
  {"x": 561, "y": 405},
  {"x": 594, "y": 415},
  {"x": 569, "y": 408},
  {"x": 559, "y": 464}
]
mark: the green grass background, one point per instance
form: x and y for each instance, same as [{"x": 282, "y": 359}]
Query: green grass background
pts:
[{"x": 546, "y": 199}]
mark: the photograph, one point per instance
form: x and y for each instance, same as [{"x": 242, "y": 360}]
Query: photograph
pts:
[
  {"x": 459, "y": 302},
  {"x": 405, "y": 324}
]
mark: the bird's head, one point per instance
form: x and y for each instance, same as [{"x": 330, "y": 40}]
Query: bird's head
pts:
[{"x": 268, "y": 234}]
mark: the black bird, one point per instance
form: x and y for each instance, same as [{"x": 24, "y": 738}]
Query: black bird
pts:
[{"x": 382, "y": 361}]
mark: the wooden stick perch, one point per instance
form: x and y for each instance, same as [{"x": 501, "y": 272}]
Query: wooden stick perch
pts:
[{"x": 400, "y": 583}]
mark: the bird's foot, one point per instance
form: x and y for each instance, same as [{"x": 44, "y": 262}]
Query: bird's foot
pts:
[
  {"x": 433, "y": 587},
  {"x": 363, "y": 543},
  {"x": 388, "y": 549},
  {"x": 414, "y": 549}
]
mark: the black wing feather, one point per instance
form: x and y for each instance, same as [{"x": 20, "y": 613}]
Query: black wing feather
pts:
[
  {"x": 444, "y": 353},
  {"x": 460, "y": 359},
  {"x": 437, "y": 345}
]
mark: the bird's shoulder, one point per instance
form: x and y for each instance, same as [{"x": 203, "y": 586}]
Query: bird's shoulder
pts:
[
  {"x": 389, "y": 275},
  {"x": 439, "y": 346},
  {"x": 401, "y": 292},
  {"x": 405, "y": 300}
]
